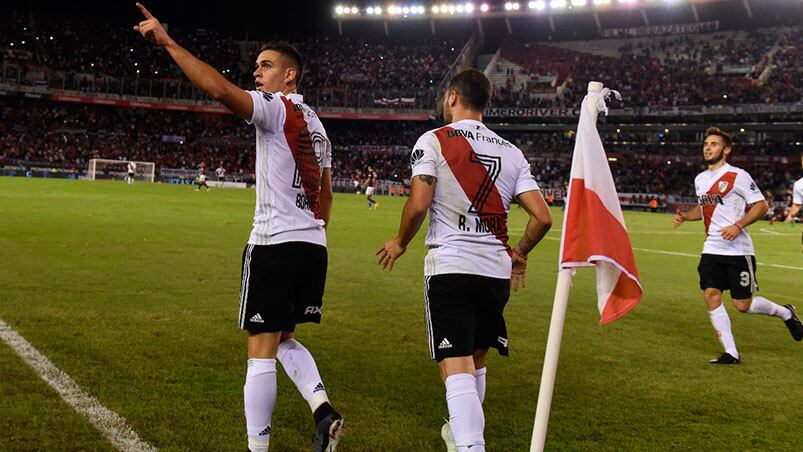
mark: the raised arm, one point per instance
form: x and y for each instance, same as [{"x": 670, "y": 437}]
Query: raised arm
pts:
[{"x": 202, "y": 75}]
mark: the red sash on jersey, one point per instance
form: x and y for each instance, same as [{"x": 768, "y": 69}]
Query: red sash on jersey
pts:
[
  {"x": 721, "y": 187},
  {"x": 476, "y": 182},
  {"x": 300, "y": 142}
]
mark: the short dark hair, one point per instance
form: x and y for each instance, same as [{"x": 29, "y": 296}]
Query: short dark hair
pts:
[
  {"x": 288, "y": 50},
  {"x": 473, "y": 87},
  {"x": 718, "y": 132}
]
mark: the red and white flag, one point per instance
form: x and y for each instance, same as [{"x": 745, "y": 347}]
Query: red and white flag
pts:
[{"x": 594, "y": 232}]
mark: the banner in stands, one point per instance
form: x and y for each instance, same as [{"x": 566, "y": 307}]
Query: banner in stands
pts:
[
  {"x": 535, "y": 112},
  {"x": 422, "y": 116},
  {"x": 395, "y": 101},
  {"x": 382, "y": 114},
  {"x": 691, "y": 110},
  {"x": 17, "y": 54},
  {"x": 699, "y": 27}
]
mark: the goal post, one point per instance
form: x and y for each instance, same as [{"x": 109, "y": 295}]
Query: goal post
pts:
[{"x": 118, "y": 170}]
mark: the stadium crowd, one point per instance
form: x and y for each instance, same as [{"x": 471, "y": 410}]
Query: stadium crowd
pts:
[
  {"x": 35, "y": 132},
  {"x": 758, "y": 66},
  {"x": 104, "y": 58},
  {"x": 670, "y": 71}
]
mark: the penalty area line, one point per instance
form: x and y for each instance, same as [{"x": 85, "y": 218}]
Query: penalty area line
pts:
[{"x": 110, "y": 424}]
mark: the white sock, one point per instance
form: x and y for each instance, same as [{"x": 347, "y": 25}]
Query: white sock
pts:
[
  {"x": 722, "y": 325},
  {"x": 479, "y": 375},
  {"x": 300, "y": 367},
  {"x": 761, "y": 305},
  {"x": 260, "y": 399},
  {"x": 465, "y": 413}
]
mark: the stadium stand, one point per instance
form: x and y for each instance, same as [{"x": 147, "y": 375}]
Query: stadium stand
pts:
[
  {"x": 74, "y": 134},
  {"x": 357, "y": 77},
  {"x": 760, "y": 66},
  {"x": 726, "y": 67}
]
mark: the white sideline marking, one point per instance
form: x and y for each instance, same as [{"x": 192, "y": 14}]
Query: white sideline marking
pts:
[
  {"x": 674, "y": 253},
  {"x": 674, "y": 232},
  {"x": 113, "y": 427},
  {"x": 786, "y": 234}
]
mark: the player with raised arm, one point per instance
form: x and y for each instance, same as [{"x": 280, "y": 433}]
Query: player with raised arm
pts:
[
  {"x": 466, "y": 176},
  {"x": 728, "y": 262},
  {"x": 284, "y": 263},
  {"x": 797, "y": 203}
]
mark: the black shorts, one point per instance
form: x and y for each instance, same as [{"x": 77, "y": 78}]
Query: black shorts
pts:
[
  {"x": 463, "y": 313},
  {"x": 734, "y": 273},
  {"x": 282, "y": 285}
]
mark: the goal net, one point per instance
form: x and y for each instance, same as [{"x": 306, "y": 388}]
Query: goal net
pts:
[{"x": 118, "y": 170}]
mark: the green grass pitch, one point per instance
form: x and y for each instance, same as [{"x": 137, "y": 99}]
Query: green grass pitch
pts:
[{"x": 133, "y": 292}]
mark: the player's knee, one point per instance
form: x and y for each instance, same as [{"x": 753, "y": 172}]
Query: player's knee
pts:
[
  {"x": 263, "y": 345},
  {"x": 456, "y": 365},
  {"x": 742, "y": 305},
  {"x": 712, "y": 295}
]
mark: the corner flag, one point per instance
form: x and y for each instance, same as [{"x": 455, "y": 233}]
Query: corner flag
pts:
[{"x": 594, "y": 232}]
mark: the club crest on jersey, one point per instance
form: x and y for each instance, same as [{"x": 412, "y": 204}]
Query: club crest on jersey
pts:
[{"x": 722, "y": 185}]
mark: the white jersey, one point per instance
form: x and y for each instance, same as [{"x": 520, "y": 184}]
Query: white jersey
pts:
[
  {"x": 724, "y": 195},
  {"x": 797, "y": 192},
  {"x": 292, "y": 151},
  {"x": 132, "y": 167},
  {"x": 220, "y": 172},
  {"x": 478, "y": 175}
]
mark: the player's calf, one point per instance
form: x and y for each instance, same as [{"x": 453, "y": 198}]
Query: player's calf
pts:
[{"x": 466, "y": 418}]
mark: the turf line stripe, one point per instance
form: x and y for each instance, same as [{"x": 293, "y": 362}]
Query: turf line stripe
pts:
[
  {"x": 113, "y": 427},
  {"x": 675, "y": 253}
]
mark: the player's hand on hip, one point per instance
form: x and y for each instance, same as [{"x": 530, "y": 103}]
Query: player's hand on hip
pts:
[
  {"x": 518, "y": 273},
  {"x": 389, "y": 252},
  {"x": 730, "y": 232},
  {"x": 678, "y": 219},
  {"x": 151, "y": 29}
]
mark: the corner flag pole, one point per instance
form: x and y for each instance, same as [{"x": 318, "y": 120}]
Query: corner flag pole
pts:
[{"x": 551, "y": 359}]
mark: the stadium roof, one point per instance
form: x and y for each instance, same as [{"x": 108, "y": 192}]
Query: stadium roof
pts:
[
  {"x": 547, "y": 19},
  {"x": 563, "y": 16}
]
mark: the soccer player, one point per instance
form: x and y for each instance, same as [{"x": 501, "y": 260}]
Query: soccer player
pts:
[
  {"x": 284, "y": 263},
  {"x": 466, "y": 176},
  {"x": 370, "y": 183},
  {"x": 220, "y": 172},
  {"x": 132, "y": 171},
  {"x": 728, "y": 261},
  {"x": 797, "y": 202},
  {"x": 201, "y": 180}
]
